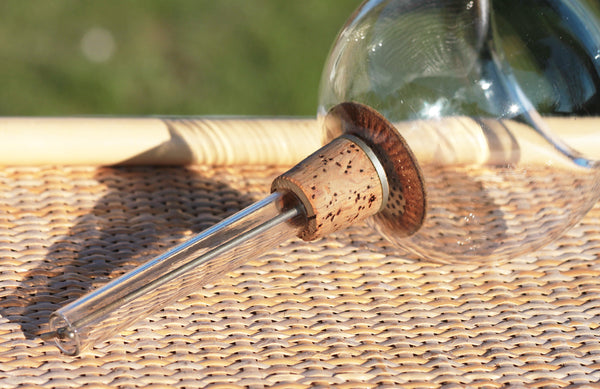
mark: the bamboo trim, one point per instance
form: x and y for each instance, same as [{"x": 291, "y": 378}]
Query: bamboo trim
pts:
[
  {"x": 466, "y": 141},
  {"x": 156, "y": 141},
  {"x": 266, "y": 141}
]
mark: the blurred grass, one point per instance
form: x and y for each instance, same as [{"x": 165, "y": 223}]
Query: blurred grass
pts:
[{"x": 259, "y": 57}]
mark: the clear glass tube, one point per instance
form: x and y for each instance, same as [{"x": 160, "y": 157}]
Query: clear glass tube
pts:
[{"x": 174, "y": 274}]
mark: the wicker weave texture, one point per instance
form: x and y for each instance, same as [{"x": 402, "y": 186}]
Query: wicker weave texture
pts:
[{"x": 345, "y": 311}]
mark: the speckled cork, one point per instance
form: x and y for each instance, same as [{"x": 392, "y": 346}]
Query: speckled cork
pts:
[
  {"x": 404, "y": 212},
  {"x": 338, "y": 185}
]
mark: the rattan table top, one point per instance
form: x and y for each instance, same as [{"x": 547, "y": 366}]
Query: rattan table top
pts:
[{"x": 345, "y": 311}]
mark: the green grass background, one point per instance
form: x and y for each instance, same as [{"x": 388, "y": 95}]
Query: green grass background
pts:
[{"x": 171, "y": 57}]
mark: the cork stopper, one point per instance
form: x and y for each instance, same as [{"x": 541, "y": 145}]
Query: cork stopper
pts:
[
  {"x": 339, "y": 184},
  {"x": 404, "y": 212},
  {"x": 366, "y": 169}
]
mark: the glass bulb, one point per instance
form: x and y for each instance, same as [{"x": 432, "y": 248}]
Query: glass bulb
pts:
[{"x": 498, "y": 101}]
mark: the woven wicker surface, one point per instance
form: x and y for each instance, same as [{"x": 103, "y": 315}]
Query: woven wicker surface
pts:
[{"x": 346, "y": 311}]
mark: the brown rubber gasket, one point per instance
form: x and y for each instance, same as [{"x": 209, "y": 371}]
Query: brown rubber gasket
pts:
[{"x": 405, "y": 210}]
